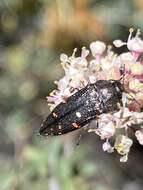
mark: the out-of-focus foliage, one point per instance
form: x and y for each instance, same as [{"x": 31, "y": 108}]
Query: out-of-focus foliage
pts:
[
  {"x": 45, "y": 167},
  {"x": 32, "y": 35}
]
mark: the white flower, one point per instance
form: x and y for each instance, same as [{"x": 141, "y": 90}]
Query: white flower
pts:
[
  {"x": 105, "y": 65},
  {"x": 94, "y": 67},
  {"x": 106, "y": 129},
  {"x": 124, "y": 158},
  {"x": 139, "y": 136},
  {"x": 78, "y": 81},
  {"x": 63, "y": 83},
  {"x": 125, "y": 118},
  {"x": 84, "y": 53},
  {"x": 123, "y": 144},
  {"x": 135, "y": 85},
  {"x": 135, "y": 44},
  {"x": 64, "y": 58},
  {"x": 119, "y": 43},
  {"x": 79, "y": 62},
  {"x": 107, "y": 147},
  {"x": 97, "y": 48},
  {"x": 92, "y": 79},
  {"x": 137, "y": 69},
  {"x": 125, "y": 60}
]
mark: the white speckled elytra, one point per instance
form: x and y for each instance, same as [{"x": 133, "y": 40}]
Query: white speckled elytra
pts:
[{"x": 78, "y": 114}]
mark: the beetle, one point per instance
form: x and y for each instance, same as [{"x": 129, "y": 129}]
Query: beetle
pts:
[{"x": 103, "y": 96}]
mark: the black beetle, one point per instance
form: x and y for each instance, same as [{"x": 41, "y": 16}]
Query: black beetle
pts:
[{"x": 104, "y": 96}]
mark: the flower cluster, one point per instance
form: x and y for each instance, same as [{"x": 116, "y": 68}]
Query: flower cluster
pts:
[{"x": 104, "y": 65}]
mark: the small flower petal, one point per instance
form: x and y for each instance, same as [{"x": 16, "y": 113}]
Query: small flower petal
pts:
[
  {"x": 136, "y": 85},
  {"x": 107, "y": 147},
  {"x": 139, "y": 136},
  {"x": 137, "y": 69},
  {"x": 123, "y": 144},
  {"x": 97, "y": 48},
  {"x": 63, "y": 57},
  {"x": 135, "y": 44},
  {"x": 124, "y": 158},
  {"x": 118, "y": 43},
  {"x": 106, "y": 129}
]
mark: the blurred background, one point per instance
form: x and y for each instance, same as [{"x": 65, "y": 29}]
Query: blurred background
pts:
[{"x": 33, "y": 34}]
